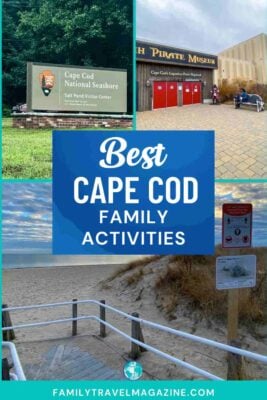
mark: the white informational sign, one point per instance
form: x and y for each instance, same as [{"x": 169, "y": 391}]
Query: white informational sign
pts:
[
  {"x": 236, "y": 225},
  {"x": 234, "y": 272}
]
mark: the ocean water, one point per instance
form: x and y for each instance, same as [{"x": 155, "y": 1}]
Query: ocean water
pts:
[{"x": 49, "y": 260}]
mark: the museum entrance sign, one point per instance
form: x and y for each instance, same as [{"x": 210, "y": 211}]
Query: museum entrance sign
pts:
[{"x": 56, "y": 88}]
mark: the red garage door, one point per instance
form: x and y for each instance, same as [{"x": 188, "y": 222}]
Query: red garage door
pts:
[
  {"x": 172, "y": 99},
  {"x": 165, "y": 94},
  {"x": 159, "y": 95},
  {"x": 196, "y": 92},
  {"x": 191, "y": 93},
  {"x": 187, "y": 93}
]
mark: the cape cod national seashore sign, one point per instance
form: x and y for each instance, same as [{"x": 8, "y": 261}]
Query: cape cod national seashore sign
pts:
[{"x": 53, "y": 87}]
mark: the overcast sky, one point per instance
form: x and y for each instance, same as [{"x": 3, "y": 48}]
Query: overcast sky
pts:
[
  {"x": 203, "y": 25},
  {"x": 27, "y": 214},
  {"x": 27, "y": 217}
]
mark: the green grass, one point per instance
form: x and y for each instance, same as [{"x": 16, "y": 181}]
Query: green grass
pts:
[{"x": 27, "y": 153}]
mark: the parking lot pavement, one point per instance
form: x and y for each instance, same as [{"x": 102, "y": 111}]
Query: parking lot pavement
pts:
[{"x": 240, "y": 135}]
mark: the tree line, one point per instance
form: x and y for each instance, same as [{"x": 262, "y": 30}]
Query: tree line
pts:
[{"x": 93, "y": 33}]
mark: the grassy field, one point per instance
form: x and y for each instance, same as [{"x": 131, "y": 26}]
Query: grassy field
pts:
[{"x": 26, "y": 152}]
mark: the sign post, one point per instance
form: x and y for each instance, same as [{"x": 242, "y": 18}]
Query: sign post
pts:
[
  {"x": 236, "y": 234},
  {"x": 232, "y": 320}
]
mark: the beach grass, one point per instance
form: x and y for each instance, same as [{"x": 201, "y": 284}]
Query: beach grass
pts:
[
  {"x": 191, "y": 280},
  {"x": 132, "y": 265}
]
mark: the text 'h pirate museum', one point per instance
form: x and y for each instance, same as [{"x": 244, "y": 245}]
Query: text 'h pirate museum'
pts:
[{"x": 169, "y": 77}]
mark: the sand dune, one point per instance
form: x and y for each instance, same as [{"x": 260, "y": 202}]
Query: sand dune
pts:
[{"x": 42, "y": 285}]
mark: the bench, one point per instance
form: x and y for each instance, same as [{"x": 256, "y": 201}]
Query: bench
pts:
[{"x": 254, "y": 100}]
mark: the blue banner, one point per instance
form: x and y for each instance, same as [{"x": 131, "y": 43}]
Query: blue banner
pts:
[{"x": 145, "y": 192}]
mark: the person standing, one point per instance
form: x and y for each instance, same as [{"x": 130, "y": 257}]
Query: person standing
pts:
[{"x": 215, "y": 94}]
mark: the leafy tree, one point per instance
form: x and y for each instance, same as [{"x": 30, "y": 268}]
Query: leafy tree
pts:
[
  {"x": 13, "y": 68},
  {"x": 96, "y": 33}
]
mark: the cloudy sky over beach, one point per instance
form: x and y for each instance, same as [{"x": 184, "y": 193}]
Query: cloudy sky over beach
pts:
[
  {"x": 203, "y": 25},
  {"x": 27, "y": 214},
  {"x": 27, "y": 217}
]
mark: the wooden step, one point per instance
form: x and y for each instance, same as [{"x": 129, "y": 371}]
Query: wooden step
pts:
[{"x": 67, "y": 362}]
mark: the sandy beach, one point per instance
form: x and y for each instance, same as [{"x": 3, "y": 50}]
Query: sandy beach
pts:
[{"x": 47, "y": 285}]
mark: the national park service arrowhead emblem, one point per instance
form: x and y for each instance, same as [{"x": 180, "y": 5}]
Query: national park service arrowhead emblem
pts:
[{"x": 47, "y": 81}]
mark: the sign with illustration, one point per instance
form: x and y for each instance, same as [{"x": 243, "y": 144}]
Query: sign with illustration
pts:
[
  {"x": 146, "y": 192},
  {"x": 79, "y": 89},
  {"x": 236, "y": 225},
  {"x": 47, "y": 81},
  {"x": 233, "y": 272}
]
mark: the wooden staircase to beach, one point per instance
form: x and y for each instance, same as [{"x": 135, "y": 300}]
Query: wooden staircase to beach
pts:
[{"x": 68, "y": 362}]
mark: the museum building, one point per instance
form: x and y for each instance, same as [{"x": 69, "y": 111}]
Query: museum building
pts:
[
  {"x": 169, "y": 77},
  {"x": 246, "y": 61}
]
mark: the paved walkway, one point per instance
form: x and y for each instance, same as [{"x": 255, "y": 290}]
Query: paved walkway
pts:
[{"x": 240, "y": 135}]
